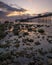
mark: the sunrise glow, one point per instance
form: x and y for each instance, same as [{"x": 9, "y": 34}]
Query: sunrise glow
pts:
[{"x": 15, "y": 13}]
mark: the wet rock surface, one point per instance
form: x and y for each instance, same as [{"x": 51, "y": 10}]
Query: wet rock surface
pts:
[{"x": 27, "y": 46}]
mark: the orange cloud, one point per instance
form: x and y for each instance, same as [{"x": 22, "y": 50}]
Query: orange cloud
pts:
[{"x": 15, "y": 13}]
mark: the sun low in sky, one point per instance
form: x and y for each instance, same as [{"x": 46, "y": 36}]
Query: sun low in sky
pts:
[{"x": 32, "y": 6}]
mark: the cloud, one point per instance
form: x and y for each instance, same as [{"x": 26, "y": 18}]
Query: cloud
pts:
[{"x": 30, "y": 0}]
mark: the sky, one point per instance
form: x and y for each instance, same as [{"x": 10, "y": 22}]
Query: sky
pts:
[{"x": 33, "y": 6}]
